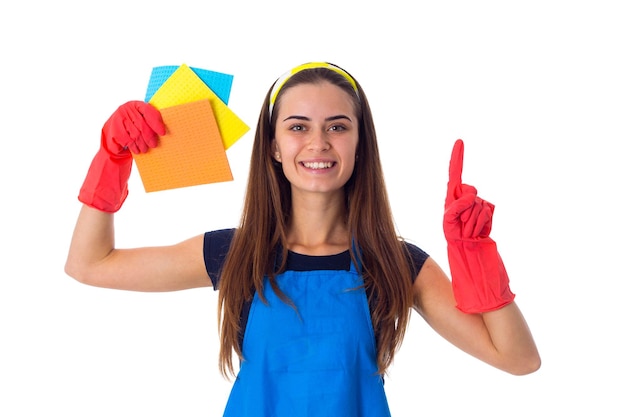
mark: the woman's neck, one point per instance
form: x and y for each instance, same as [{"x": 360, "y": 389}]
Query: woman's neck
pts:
[{"x": 318, "y": 225}]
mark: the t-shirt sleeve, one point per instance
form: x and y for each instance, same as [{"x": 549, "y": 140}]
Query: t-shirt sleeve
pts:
[
  {"x": 418, "y": 257},
  {"x": 216, "y": 246}
]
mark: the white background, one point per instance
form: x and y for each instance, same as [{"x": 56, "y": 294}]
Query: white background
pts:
[{"x": 536, "y": 89}]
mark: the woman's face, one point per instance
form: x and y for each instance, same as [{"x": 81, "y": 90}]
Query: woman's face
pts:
[{"x": 316, "y": 137}]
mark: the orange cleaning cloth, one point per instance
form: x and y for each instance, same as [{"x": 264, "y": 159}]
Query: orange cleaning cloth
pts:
[{"x": 190, "y": 153}]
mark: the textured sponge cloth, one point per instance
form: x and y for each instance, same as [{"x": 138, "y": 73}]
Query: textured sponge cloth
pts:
[{"x": 190, "y": 153}]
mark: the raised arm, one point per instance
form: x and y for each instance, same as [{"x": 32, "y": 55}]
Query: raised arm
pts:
[
  {"x": 500, "y": 337},
  {"x": 93, "y": 258},
  {"x": 475, "y": 311}
]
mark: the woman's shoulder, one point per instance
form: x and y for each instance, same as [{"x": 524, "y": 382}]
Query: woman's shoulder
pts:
[
  {"x": 220, "y": 235},
  {"x": 216, "y": 246},
  {"x": 217, "y": 242},
  {"x": 415, "y": 251},
  {"x": 417, "y": 257}
]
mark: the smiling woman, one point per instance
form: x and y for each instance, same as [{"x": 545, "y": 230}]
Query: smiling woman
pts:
[
  {"x": 315, "y": 286},
  {"x": 316, "y": 137}
]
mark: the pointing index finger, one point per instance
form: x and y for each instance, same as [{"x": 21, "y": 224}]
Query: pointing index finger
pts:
[{"x": 456, "y": 169}]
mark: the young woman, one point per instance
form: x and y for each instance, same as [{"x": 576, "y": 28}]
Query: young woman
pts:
[{"x": 315, "y": 286}]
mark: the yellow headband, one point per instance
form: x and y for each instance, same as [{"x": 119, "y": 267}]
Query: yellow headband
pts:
[{"x": 283, "y": 79}]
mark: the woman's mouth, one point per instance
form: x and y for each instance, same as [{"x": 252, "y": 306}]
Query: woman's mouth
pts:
[{"x": 318, "y": 165}]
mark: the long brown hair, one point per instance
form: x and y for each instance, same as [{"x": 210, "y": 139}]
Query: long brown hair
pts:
[{"x": 263, "y": 229}]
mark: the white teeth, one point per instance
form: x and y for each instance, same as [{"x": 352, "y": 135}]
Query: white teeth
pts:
[{"x": 318, "y": 165}]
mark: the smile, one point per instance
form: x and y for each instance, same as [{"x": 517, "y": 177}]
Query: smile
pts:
[{"x": 318, "y": 165}]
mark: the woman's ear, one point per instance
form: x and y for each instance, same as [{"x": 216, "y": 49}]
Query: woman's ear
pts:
[{"x": 275, "y": 151}]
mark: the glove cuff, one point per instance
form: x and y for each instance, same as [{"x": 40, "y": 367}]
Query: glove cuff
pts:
[
  {"x": 106, "y": 185},
  {"x": 479, "y": 279}
]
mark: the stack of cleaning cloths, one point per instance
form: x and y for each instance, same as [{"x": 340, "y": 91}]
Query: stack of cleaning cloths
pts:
[{"x": 200, "y": 128}]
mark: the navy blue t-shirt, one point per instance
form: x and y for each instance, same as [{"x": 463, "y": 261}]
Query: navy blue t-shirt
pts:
[{"x": 217, "y": 244}]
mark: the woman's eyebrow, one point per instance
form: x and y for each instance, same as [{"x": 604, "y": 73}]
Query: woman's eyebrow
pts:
[
  {"x": 297, "y": 118},
  {"x": 338, "y": 117},
  {"x": 328, "y": 119}
]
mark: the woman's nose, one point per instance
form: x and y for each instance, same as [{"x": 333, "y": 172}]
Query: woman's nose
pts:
[{"x": 318, "y": 141}]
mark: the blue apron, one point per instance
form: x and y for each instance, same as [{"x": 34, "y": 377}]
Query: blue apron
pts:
[{"x": 316, "y": 360}]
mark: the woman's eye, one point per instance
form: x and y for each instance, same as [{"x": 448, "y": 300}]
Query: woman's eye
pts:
[
  {"x": 297, "y": 128},
  {"x": 337, "y": 128}
]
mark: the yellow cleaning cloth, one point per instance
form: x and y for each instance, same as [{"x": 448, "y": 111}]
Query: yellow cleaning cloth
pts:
[{"x": 184, "y": 86}]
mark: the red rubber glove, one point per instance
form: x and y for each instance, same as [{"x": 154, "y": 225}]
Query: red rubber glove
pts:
[
  {"x": 133, "y": 127},
  {"x": 479, "y": 279}
]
